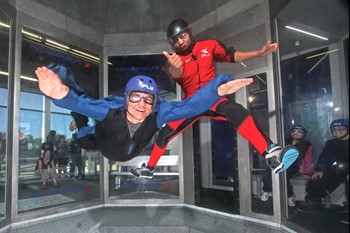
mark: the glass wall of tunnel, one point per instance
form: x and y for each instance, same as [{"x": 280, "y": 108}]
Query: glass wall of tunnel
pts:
[{"x": 210, "y": 165}]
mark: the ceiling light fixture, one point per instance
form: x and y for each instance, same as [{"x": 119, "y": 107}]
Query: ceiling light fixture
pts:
[
  {"x": 57, "y": 45},
  {"x": 22, "y": 76},
  {"x": 4, "y": 25},
  {"x": 320, "y": 54},
  {"x": 243, "y": 64},
  {"x": 307, "y": 33}
]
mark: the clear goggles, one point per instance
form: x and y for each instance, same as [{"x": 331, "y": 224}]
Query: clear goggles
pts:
[
  {"x": 298, "y": 131},
  {"x": 338, "y": 128},
  {"x": 135, "y": 97},
  {"x": 180, "y": 36}
]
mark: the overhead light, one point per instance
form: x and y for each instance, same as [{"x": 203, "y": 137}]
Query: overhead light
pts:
[
  {"x": 32, "y": 35},
  {"x": 260, "y": 79},
  {"x": 243, "y": 64},
  {"x": 320, "y": 54},
  {"x": 251, "y": 98},
  {"x": 29, "y": 78},
  {"x": 307, "y": 33},
  {"x": 312, "y": 68},
  {"x": 4, "y": 73},
  {"x": 22, "y": 76},
  {"x": 57, "y": 45},
  {"x": 48, "y": 41},
  {"x": 85, "y": 54},
  {"x": 4, "y": 25}
]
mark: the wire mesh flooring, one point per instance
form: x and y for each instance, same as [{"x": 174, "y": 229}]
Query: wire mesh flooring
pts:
[{"x": 149, "y": 219}]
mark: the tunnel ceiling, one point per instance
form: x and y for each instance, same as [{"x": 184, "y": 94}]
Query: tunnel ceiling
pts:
[
  {"x": 127, "y": 16},
  {"x": 324, "y": 17}
]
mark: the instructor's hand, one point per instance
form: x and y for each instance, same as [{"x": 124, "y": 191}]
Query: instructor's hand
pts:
[
  {"x": 175, "y": 63},
  {"x": 268, "y": 48},
  {"x": 232, "y": 86},
  {"x": 50, "y": 84}
]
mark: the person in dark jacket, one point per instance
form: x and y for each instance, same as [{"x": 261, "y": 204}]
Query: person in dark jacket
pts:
[
  {"x": 125, "y": 125},
  {"x": 77, "y": 158},
  {"x": 332, "y": 166}
]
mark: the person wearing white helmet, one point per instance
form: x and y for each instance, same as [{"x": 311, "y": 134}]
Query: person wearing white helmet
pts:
[{"x": 126, "y": 124}]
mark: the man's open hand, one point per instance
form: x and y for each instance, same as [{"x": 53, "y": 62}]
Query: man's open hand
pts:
[
  {"x": 232, "y": 86},
  {"x": 50, "y": 84},
  {"x": 175, "y": 64}
]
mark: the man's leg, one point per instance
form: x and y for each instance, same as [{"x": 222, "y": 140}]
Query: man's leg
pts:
[
  {"x": 166, "y": 134},
  {"x": 278, "y": 158}
]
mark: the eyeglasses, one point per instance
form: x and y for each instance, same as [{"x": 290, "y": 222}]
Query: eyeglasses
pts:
[
  {"x": 181, "y": 36},
  {"x": 136, "y": 97},
  {"x": 338, "y": 128},
  {"x": 297, "y": 131}
]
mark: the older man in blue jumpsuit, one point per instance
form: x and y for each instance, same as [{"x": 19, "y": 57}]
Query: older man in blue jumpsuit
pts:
[{"x": 125, "y": 125}]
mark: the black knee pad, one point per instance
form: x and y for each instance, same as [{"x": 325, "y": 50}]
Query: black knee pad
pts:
[
  {"x": 234, "y": 112},
  {"x": 164, "y": 135}
]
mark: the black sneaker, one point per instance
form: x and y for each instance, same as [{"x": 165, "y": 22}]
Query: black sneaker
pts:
[{"x": 144, "y": 171}]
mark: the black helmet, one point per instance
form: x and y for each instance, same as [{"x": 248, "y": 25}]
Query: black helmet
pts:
[{"x": 176, "y": 27}]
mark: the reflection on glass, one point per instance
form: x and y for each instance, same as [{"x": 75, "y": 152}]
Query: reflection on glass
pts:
[
  {"x": 165, "y": 182},
  {"x": 258, "y": 107},
  {"x": 315, "y": 87},
  {"x": 41, "y": 121},
  {"x": 4, "y": 54},
  {"x": 224, "y": 146}
]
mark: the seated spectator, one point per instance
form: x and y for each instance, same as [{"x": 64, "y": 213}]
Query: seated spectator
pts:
[
  {"x": 62, "y": 155},
  {"x": 51, "y": 144},
  {"x": 45, "y": 167},
  {"x": 332, "y": 167},
  {"x": 303, "y": 166}
]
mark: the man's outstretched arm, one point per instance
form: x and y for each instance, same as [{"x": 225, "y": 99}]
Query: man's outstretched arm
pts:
[
  {"x": 202, "y": 100},
  {"x": 52, "y": 86},
  {"x": 268, "y": 48}
]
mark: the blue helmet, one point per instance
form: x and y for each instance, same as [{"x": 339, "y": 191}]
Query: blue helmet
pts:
[
  {"x": 141, "y": 83},
  {"x": 299, "y": 127},
  {"x": 339, "y": 122}
]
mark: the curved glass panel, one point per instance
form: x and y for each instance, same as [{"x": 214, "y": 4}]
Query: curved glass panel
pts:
[
  {"x": 258, "y": 107},
  {"x": 315, "y": 87},
  {"x": 74, "y": 170},
  {"x": 4, "y": 54}
]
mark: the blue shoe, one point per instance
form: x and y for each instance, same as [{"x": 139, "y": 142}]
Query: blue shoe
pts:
[
  {"x": 67, "y": 77},
  {"x": 280, "y": 159}
]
